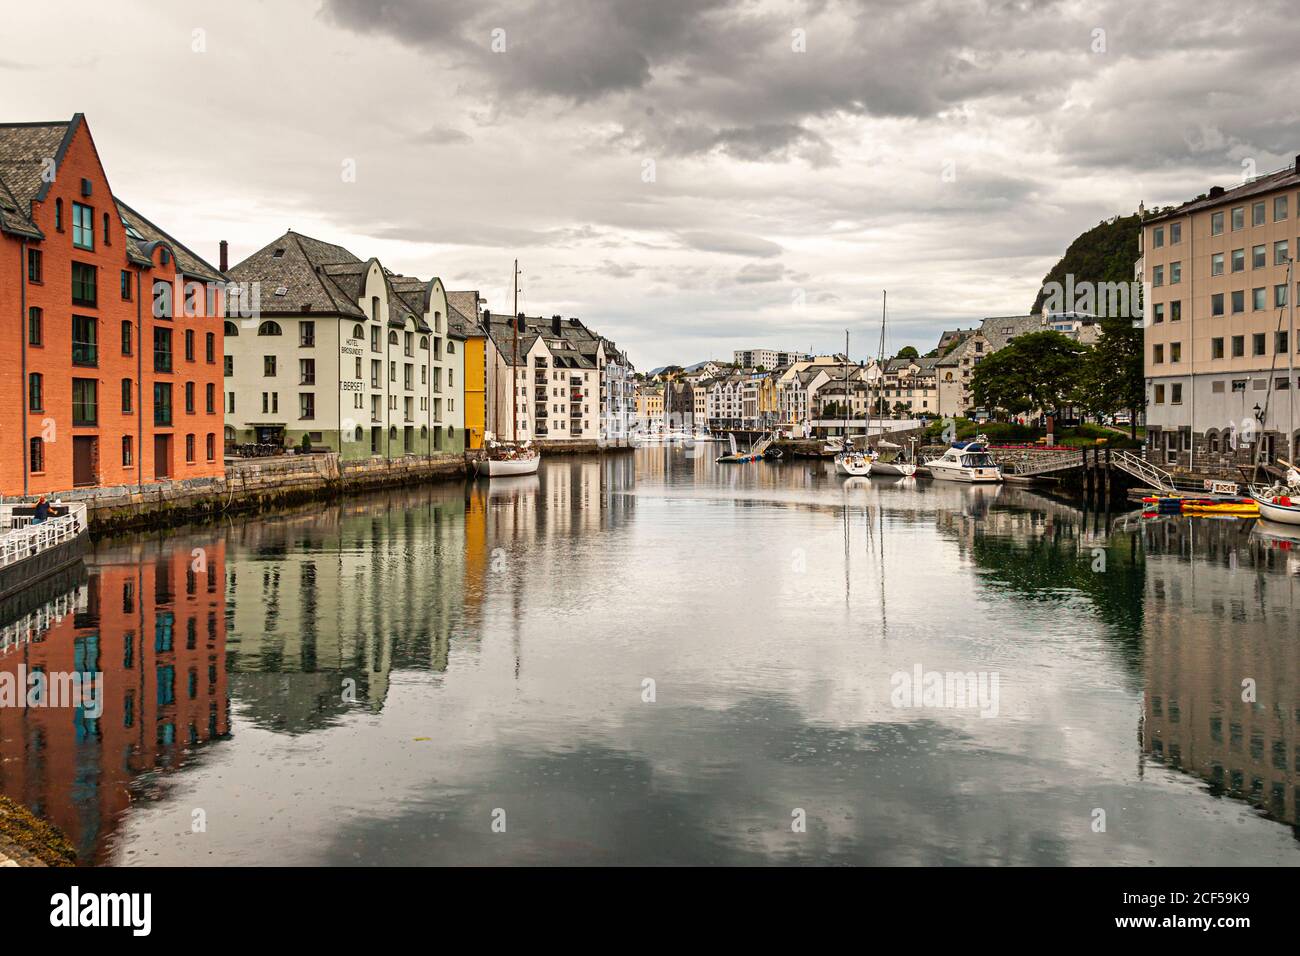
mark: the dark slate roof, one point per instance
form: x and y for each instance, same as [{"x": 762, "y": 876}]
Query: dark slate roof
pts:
[
  {"x": 300, "y": 270},
  {"x": 188, "y": 262},
  {"x": 463, "y": 309},
  {"x": 1282, "y": 179},
  {"x": 503, "y": 337},
  {"x": 24, "y": 151}
]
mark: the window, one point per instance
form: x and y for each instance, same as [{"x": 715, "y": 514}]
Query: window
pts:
[
  {"x": 35, "y": 326},
  {"x": 126, "y": 286},
  {"x": 1158, "y": 236},
  {"x": 1280, "y": 253},
  {"x": 1216, "y": 304},
  {"x": 189, "y": 447},
  {"x": 306, "y": 405},
  {"x": 127, "y": 455},
  {"x": 1176, "y": 310},
  {"x": 162, "y": 403},
  {"x": 1176, "y": 394},
  {"x": 1258, "y": 257},
  {"x": 108, "y": 236},
  {"x": 127, "y": 336},
  {"x": 1216, "y": 224},
  {"x": 230, "y": 402},
  {"x": 58, "y": 215},
  {"x": 1216, "y": 264},
  {"x": 1238, "y": 260},
  {"x": 268, "y": 328},
  {"x": 1238, "y": 218},
  {"x": 358, "y": 332},
  {"x": 189, "y": 345},
  {"x": 1238, "y": 302},
  {"x": 306, "y": 371},
  {"x": 1280, "y": 343},
  {"x": 374, "y": 336},
  {"x": 1157, "y": 354},
  {"x": 210, "y": 346},
  {"x": 35, "y": 399},
  {"x": 83, "y": 226},
  {"x": 85, "y": 348},
  {"x": 1238, "y": 346},
  {"x": 1216, "y": 348},
  {"x": 1279, "y": 208},
  {"x": 1175, "y": 351},
  {"x": 1259, "y": 344},
  {"x": 1158, "y": 317},
  {"x": 306, "y": 334},
  {"x": 83, "y": 284},
  {"x": 85, "y": 401},
  {"x": 37, "y": 456},
  {"x": 189, "y": 398},
  {"x": 34, "y": 270},
  {"x": 211, "y": 447},
  {"x": 268, "y": 366},
  {"x": 126, "y": 395},
  {"x": 210, "y": 398},
  {"x": 1257, "y": 214},
  {"x": 1160, "y": 394},
  {"x": 162, "y": 350},
  {"x": 1175, "y": 273},
  {"x": 1175, "y": 233},
  {"x": 1279, "y": 295},
  {"x": 1158, "y": 276},
  {"x": 228, "y": 365},
  {"x": 408, "y": 343},
  {"x": 392, "y": 338}
]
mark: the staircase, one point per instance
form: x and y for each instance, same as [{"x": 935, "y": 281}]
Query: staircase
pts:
[{"x": 1143, "y": 471}]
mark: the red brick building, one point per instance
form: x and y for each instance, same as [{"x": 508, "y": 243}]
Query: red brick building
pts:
[{"x": 112, "y": 329}]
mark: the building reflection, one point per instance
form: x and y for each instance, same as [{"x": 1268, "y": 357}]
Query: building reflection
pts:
[
  {"x": 149, "y": 616},
  {"x": 1221, "y": 621},
  {"x": 325, "y": 602}
]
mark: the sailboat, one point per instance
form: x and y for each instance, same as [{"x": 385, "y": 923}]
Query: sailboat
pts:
[
  {"x": 501, "y": 459},
  {"x": 887, "y": 461},
  {"x": 849, "y": 461},
  {"x": 1280, "y": 501}
]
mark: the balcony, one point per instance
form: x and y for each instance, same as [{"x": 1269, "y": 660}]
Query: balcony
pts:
[
  {"x": 539, "y": 377},
  {"x": 541, "y": 412}
]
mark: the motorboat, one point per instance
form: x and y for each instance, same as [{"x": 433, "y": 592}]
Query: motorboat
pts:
[{"x": 965, "y": 461}]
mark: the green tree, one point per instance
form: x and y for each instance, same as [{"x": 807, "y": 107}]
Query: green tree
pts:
[
  {"x": 1105, "y": 253},
  {"x": 907, "y": 352},
  {"x": 1040, "y": 370}
]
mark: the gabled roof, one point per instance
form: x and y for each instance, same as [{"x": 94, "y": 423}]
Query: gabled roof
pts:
[
  {"x": 297, "y": 264},
  {"x": 463, "y": 313},
  {"x": 188, "y": 262},
  {"x": 26, "y": 150}
]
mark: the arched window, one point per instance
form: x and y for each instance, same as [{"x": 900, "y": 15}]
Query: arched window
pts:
[
  {"x": 424, "y": 431},
  {"x": 358, "y": 434},
  {"x": 268, "y": 328},
  {"x": 230, "y": 433},
  {"x": 451, "y": 431},
  {"x": 451, "y": 347},
  {"x": 374, "y": 308},
  {"x": 1212, "y": 441},
  {"x": 424, "y": 342},
  {"x": 392, "y": 338},
  {"x": 392, "y": 433},
  {"x": 358, "y": 332},
  {"x": 231, "y": 329}
]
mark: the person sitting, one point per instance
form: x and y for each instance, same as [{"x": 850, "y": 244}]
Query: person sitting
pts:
[{"x": 42, "y": 513}]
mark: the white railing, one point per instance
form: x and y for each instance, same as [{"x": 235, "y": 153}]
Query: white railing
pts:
[
  {"x": 1041, "y": 464},
  {"x": 20, "y": 538},
  {"x": 1143, "y": 470}
]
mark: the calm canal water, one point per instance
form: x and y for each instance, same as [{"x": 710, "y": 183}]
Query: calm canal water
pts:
[{"x": 378, "y": 681}]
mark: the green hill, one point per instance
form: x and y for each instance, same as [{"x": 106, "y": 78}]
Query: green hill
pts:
[{"x": 1105, "y": 253}]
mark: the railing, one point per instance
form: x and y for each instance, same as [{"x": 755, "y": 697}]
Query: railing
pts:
[
  {"x": 21, "y": 539},
  {"x": 1041, "y": 464},
  {"x": 1143, "y": 470}
]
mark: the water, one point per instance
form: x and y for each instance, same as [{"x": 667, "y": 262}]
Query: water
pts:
[{"x": 382, "y": 680}]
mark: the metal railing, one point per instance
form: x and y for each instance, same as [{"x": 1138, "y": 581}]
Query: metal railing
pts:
[
  {"x": 20, "y": 538},
  {"x": 1143, "y": 470}
]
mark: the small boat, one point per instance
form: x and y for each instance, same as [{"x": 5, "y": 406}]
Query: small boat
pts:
[
  {"x": 756, "y": 452},
  {"x": 889, "y": 463},
  {"x": 501, "y": 460},
  {"x": 1230, "y": 505},
  {"x": 1280, "y": 501},
  {"x": 965, "y": 461},
  {"x": 853, "y": 464}
]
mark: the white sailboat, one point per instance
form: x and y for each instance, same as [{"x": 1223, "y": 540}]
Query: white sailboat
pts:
[
  {"x": 849, "y": 461},
  {"x": 501, "y": 459},
  {"x": 885, "y": 462}
]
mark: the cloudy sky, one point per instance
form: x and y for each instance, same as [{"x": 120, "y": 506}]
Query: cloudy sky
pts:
[{"x": 690, "y": 176}]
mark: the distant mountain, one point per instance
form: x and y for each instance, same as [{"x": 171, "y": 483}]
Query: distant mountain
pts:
[{"x": 1105, "y": 253}]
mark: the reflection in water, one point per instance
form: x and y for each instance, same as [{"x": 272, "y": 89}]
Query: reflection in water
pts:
[
  {"x": 403, "y": 664},
  {"x": 150, "y": 617}
]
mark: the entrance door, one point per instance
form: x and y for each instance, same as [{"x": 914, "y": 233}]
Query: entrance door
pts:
[
  {"x": 83, "y": 460},
  {"x": 162, "y": 456}
]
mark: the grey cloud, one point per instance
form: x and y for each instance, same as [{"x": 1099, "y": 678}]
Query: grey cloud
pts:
[{"x": 730, "y": 242}]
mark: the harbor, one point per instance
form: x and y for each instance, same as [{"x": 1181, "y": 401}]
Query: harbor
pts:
[{"x": 604, "y": 651}]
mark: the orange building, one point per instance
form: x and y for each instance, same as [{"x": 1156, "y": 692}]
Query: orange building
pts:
[
  {"x": 113, "y": 328},
  {"x": 151, "y": 618}
]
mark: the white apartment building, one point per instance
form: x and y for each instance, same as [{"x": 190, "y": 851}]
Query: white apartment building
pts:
[{"x": 767, "y": 359}]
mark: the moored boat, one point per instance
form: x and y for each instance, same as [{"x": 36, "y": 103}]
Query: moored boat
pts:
[
  {"x": 965, "y": 461},
  {"x": 853, "y": 464}
]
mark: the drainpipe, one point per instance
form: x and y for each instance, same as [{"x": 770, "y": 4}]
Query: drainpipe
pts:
[{"x": 22, "y": 331}]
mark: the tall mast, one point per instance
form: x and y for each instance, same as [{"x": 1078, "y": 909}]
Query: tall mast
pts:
[
  {"x": 514, "y": 370},
  {"x": 1290, "y": 365},
  {"x": 846, "y": 387}
]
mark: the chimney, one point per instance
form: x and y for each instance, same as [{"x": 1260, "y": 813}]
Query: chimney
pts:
[
  {"x": 519, "y": 321},
  {"x": 1216, "y": 192},
  {"x": 225, "y": 257},
  {"x": 1297, "y": 162},
  {"x": 555, "y": 325}
]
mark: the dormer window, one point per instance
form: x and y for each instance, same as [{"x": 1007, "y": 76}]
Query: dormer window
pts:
[{"x": 277, "y": 254}]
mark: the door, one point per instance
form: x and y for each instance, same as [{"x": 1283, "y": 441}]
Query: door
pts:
[
  {"x": 162, "y": 456},
  {"x": 84, "y": 455}
]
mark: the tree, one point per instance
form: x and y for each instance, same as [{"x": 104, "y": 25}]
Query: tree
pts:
[
  {"x": 1105, "y": 253},
  {"x": 1040, "y": 370},
  {"x": 908, "y": 352},
  {"x": 1111, "y": 377}
]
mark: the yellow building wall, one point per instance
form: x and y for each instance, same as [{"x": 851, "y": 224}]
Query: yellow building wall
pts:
[{"x": 475, "y": 398}]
